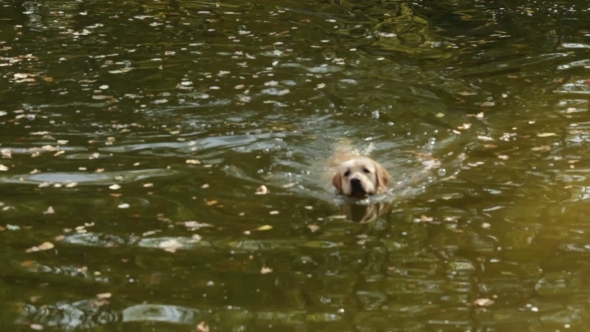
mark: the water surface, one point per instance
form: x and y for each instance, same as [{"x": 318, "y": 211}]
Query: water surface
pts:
[{"x": 134, "y": 135}]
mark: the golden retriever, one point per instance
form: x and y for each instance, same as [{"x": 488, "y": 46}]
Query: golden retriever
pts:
[{"x": 358, "y": 176}]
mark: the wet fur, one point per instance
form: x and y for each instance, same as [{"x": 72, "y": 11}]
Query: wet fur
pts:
[{"x": 358, "y": 176}]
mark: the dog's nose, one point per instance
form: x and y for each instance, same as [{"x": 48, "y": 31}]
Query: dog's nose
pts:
[{"x": 356, "y": 185}]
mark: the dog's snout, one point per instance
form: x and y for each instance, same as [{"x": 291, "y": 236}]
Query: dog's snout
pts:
[{"x": 356, "y": 186}]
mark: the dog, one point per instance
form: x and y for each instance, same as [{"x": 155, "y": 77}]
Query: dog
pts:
[{"x": 358, "y": 176}]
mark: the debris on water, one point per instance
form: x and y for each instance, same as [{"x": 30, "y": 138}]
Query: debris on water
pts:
[
  {"x": 546, "y": 134},
  {"x": 115, "y": 187},
  {"x": 192, "y": 225},
  {"x": 103, "y": 296},
  {"x": 464, "y": 126},
  {"x": 6, "y": 153},
  {"x": 49, "y": 210},
  {"x": 313, "y": 228},
  {"x": 170, "y": 245},
  {"x": 202, "y": 327},
  {"x": 262, "y": 190},
  {"x": 42, "y": 246},
  {"x": 123, "y": 206},
  {"x": 3, "y": 168},
  {"x": 483, "y": 302},
  {"x": 264, "y": 228},
  {"x": 274, "y": 212},
  {"x": 265, "y": 270}
]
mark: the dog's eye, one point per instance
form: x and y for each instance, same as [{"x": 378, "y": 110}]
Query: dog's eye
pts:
[
  {"x": 366, "y": 170},
  {"x": 347, "y": 173}
]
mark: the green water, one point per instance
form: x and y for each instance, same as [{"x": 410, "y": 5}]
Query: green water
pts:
[{"x": 134, "y": 135}]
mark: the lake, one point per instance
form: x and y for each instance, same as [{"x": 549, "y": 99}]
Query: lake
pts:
[{"x": 134, "y": 136}]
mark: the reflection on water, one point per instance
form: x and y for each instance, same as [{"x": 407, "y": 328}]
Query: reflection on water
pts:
[{"x": 134, "y": 136}]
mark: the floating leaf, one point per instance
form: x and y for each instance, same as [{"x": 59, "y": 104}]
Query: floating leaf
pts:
[
  {"x": 262, "y": 190},
  {"x": 265, "y": 270},
  {"x": 464, "y": 126},
  {"x": 546, "y": 134},
  {"x": 170, "y": 245},
  {"x": 115, "y": 187},
  {"x": 42, "y": 246},
  {"x": 103, "y": 296},
  {"x": 483, "y": 302},
  {"x": 202, "y": 327},
  {"x": 264, "y": 228}
]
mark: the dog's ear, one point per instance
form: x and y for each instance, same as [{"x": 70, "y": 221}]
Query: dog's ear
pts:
[
  {"x": 382, "y": 176},
  {"x": 337, "y": 182}
]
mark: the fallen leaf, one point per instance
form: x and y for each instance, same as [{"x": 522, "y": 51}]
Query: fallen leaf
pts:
[
  {"x": 46, "y": 246},
  {"x": 43, "y": 246},
  {"x": 209, "y": 203},
  {"x": 202, "y": 327},
  {"x": 313, "y": 228},
  {"x": 483, "y": 302},
  {"x": 103, "y": 296},
  {"x": 262, "y": 190},
  {"x": 28, "y": 263},
  {"x": 170, "y": 245}
]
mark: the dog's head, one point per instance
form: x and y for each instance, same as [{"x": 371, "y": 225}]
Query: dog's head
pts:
[{"x": 359, "y": 177}]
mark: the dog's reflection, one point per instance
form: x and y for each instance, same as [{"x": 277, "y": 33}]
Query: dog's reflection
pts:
[{"x": 364, "y": 213}]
